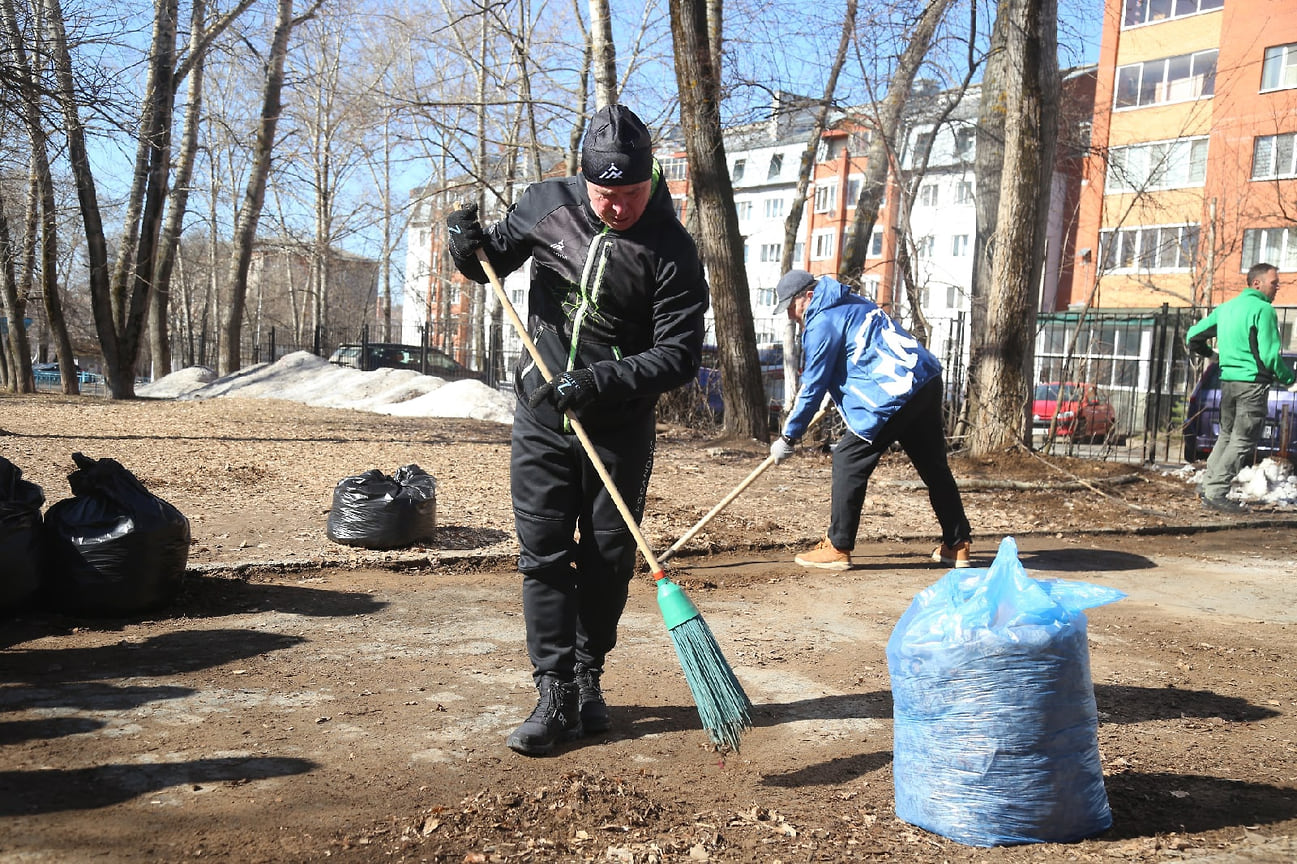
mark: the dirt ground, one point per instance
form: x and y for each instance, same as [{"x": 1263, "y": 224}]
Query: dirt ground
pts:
[{"x": 303, "y": 701}]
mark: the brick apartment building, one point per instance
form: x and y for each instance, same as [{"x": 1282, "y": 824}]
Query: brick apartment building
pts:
[{"x": 1194, "y": 168}]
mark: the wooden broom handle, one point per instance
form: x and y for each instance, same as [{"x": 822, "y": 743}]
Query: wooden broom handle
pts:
[{"x": 725, "y": 502}]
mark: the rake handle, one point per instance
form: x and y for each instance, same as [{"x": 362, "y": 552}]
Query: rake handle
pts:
[
  {"x": 725, "y": 502},
  {"x": 577, "y": 427}
]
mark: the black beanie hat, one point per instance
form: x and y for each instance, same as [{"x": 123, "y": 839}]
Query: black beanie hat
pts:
[{"x": 618, "y": 149}]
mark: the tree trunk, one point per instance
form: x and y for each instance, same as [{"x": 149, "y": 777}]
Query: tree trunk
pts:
[
  {"x": 1001, "y": 378},
  {"x": 169, "y": 242},
  {"x": 16, "y": 351},
  {"x": 44, "y": 184},
  {"x": 722, "y": 245},
  {"x": 805, "y": 168},
  {"x": 882, "y": 147},
  {"x": 245, "y": 223},
  {"x": 604, "y": 54}
]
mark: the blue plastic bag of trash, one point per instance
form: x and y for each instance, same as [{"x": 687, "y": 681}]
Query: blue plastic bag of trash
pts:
[
  {"x": 375, "y": 511},
  {"x": 994, "y": 721}
]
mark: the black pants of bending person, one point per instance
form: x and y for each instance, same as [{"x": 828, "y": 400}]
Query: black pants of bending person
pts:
[
  {"x": 919, "y": 428},
  {"x": 577, "y": 554}
]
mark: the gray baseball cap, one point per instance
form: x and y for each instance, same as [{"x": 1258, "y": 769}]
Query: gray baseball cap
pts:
[{"x": 791, "y": 284}]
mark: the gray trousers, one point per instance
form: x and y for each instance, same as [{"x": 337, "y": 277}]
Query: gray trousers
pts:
[{"x": 1243, "y": 409}]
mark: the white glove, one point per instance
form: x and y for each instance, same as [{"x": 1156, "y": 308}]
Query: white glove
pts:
[
  {"x": 780, "y": 449},
  {"x": 1292, "y": 388}
]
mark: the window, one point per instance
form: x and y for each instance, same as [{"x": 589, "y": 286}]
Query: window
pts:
[
  {"x": 928, "y": 194},
  {"x": 964, "y": 192},
  {"x": 675, "y": 168},
  {"x": 826, "y": 197},
  {"x": 959, "y": 245},
  {"x": 952, "y": 297},
  {"x": 1157, "y": 165},
  {"x": 876, "y": 244},
  {"x": 1169, "y": 79},
  {"x": 799, "y": 251},
  {"x": 822, "y": 245},
  {"x": 965, "y": 139},
  {"x": 1158, "y": 247},
  {"x": 770, "y": 252},
  {"x": 678, "y": 204},
  {"x": 744, "y": 209},
  {"x": 1150, "y": 11},
  {"x": 922, "y": 143},
  {"x": 1279, "y": 69},
  {"x": 766, "y": 296},
  {"x": 737, "y": 173},
  {"x": 774, "y": 208},
  {"x": 853, "y": 191},
  {"x": 925, "y": 246},
  {"x": 747, "y": 252},
  {"x": 776, "y": 166},
  {"x": 1277, "y": 246},
  {"x": 1272, "y": 156},
  {"x": 870, "y": 285}
]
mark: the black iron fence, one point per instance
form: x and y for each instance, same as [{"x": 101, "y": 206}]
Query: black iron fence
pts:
[{"x": 1140, "y": 364}]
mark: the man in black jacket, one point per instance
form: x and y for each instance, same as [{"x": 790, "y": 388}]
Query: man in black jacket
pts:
[{"x": 616, "y": 310}]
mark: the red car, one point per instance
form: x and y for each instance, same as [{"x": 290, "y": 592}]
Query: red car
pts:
[{"x": 1083, "y": 411}]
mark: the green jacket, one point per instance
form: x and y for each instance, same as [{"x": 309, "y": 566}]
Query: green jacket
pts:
[{"x": 1247, "y": 339}]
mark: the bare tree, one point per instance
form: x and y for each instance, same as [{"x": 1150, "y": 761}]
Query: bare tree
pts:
[
  {"x": 721, "y": 242},
  {"x": 254, "y": 196},
  {"x": 1022, "y": 82},
  {"x": 42, "y": 206},
  {"x": 882, "y": 146},
  {"x": 604, "y": 54}
]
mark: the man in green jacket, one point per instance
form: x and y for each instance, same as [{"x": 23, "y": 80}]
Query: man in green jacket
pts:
[{"x": 1247, "y": 341}]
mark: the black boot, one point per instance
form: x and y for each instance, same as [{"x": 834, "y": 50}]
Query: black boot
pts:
[
  {"x": 594, "y": 711},
  {"x": 555, "y": 718}
]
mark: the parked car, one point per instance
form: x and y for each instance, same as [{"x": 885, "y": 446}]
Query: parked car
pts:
[
  {"x": 1083, "y": 411},
  {"x": 1202, "y": 418},
  {"x": 390, "y": 355},
  {"x": 48, "y": 373},
  {"x": 771, "y": 358}
]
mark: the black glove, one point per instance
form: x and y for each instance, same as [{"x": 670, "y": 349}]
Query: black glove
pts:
[
  {"x": 569, "y": 390},
  {"x": 464, "y": 233}
]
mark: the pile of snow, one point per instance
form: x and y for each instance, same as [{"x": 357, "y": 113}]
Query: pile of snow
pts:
[
  {"x": 1270, "y": 481},
  {"x": 304, "y": 377}
]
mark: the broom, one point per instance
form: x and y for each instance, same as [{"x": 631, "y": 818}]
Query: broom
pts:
[{"x": 722, "y": 705}]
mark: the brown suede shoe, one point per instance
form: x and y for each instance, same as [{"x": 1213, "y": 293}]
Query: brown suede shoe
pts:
[
  {"x": 954, "y": 556},
  {"x": 825, "y": 556}
]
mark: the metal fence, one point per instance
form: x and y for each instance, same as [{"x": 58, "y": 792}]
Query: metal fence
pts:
[{"x": 1140, "y": 362}]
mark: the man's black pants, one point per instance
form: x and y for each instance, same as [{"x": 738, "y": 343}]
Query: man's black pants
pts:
[
  {"x": 577, "y": 555},
  {"x": 920, "y": 430}
]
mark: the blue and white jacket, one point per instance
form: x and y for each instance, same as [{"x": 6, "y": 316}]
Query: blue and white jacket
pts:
[{"x": 853, "y": 351}]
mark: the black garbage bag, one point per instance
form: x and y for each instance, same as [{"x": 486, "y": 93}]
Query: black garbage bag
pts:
[
  {"x": 20, "y": 536},
  {"x": 114, "y": 548},
  {"x": 376, "y": 511}
]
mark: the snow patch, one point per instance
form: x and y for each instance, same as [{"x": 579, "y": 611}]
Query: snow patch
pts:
[{"x": 304, "y": 377}]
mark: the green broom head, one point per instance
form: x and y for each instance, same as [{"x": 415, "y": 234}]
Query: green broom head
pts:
[{"x": 724, "y": 708}]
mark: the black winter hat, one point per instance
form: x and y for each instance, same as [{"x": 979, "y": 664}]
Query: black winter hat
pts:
[{"x": 618, "y": 149}]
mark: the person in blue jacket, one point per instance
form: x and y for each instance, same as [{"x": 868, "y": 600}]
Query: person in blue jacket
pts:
[{"x": 887, "y": 387}]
